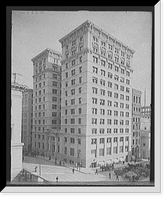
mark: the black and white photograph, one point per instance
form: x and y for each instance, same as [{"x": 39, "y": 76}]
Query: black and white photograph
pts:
[{"x": 82, "y": 99}]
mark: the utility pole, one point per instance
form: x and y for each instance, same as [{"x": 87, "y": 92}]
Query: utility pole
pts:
[{"x": 14, "y": 74}]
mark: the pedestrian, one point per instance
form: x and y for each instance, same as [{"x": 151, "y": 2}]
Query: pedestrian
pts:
[
  {"x": 73, "y": 170},
  {"x": 57, "y": 179},
  {"x": 110, "y": 175},
  {"x": 96, "y": 172},
  {"x": 117, "y": 177},
  {"x": 35, "y": 169},
  {"x": 55, "y": 161}
]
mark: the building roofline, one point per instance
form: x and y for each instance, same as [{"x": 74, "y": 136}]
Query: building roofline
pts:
[
  {"x": 46, "y": 50},
  {"x": 101, "y": 30}
]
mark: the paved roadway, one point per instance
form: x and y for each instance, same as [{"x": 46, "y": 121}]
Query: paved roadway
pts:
[{"x": 49, "y": 171}]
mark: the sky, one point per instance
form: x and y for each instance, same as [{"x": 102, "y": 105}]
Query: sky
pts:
[{"x": 34, "y": 31}]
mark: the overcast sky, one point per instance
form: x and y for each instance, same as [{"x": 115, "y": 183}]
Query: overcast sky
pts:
[{"x": 33, "y": 32}]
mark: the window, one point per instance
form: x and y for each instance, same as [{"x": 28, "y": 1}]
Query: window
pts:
[
  {"x": 109, "y": 112},
  {"x": 72, "y": 120},
  {"x": 95, "y": 69},
  {"x": 94, "y": 90},
  {"x": 54, "y": 121},
  {"x": 79, "y": 130},
  {"x": 127, "y": 89},
  {"x": 80, "y": 59},
  {"x": 122, "y": 71},
  {"x": 73, "y": 42},
  {"x": 121, "y": 149},
  {"x": 54, "y": 98},
  {"x": 94, "y": 80},
  {"x": 72, "y": 111},
  {"x": 110, "y": 65},
  {"x": 102, "y": 102},
  {"x": 109, "y": 84},
  {"x": 109, "y": 103},
  {"x": 103, "y": 63},
  {"x": 95, "y": 39},
  {"x": 115, "y": 122},
  {"x": 121, "y": 130},
  {"x": 80, "y": 90},
  {"x": 116, "y": 78},
  {"x": 79, "y": 110},
  {"x": 127, "y": 98},
  {"x": 73, "y": 62},
  {"x": 102, "y": 72},
  {"x": 54, "y": 76},
  {"x": 127, "y": 73},
  {"x": 109, "y": 121},
  {"x": 127, "y": 106},
  {"x": 116, "y": 95},
  {"x": 72, "y": 152},
  {"x": 110, "y": 75},
  {"x": 101, "y": 152},
  {"x": 72, "y": 101},
  {"x": 54, "y": 106},
  {"x": 94, "y": 111},
  {"x": 95, "y": 59},
  {"x": 73, "y": 82},
  {"x": 102, "y": 82},
  {"x": 122, "y": 80},
  {"x": 116, "y": 50},
  {"x": 80, "y": 79},
  {"x": 102, "y": 111},
  {"x": 121, "y": 114},
  {"x": 102, "y": 121},
  {"x": 54, "y": 114},
  {"x": 54, "y": 91},
  {"x": 79, "y": 120},
  {"x": 74, "y": 52},
  {"x": 80, "y": 100},
  {"x": 127, "y": 81},
  {"x": 73, "y": 72},
  {"x": 102, "y": 130},
  {"x": 127, "y": 130},
  {"x": 72, "y": 130},
  {"x": 101, "y": 140},
  {"x": 94, "y": 121},
  {"x": 102, "y": 92},
  {"x": 115, "y": 113},
  {"x": 80, "y": 69},
  {"x": 94, "y": 100},
  {"x": 93, "y": 141},
  {"x": 122, "y": 96},
  {"x": 94, "y": 130},
  {"x": 116, "y": 86},
  {"x": 73, "y": 92}
]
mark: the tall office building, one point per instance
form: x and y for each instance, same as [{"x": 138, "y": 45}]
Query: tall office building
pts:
[
  {"x": 136, "y": 122},
  {"x": 145, "y": 132},
  {"x": 27, "y": 119},
  {"x": 46, "y": 101},
  {"x": 96, "y": 97}
]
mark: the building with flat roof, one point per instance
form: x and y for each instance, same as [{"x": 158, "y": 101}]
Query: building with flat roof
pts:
[
  {"x": 46, "y": 101},
  {"x": 27, "y": 119},
  {"x": 136, "y": 122},
  {"x": 96, "y": 107},
  {"x": 145, "y": 132}
]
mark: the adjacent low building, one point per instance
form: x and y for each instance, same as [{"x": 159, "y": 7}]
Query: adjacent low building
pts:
[
  {"x": 16, "y": 144},
  {"x": 27, "y": 119}
]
